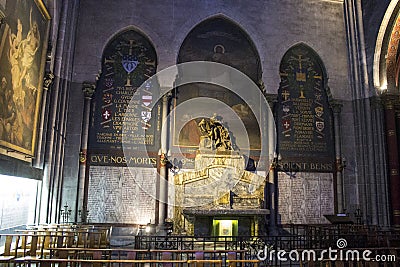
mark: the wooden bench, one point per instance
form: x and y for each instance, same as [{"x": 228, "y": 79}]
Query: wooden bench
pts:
[{"x": 97, "y": 263}]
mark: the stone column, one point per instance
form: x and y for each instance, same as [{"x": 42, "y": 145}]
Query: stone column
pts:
[
  {"x": 272, "y": 171},
  {"x": 337, "y": 108},
  {"x": 381, "y": 174},
  {"x": 393, "y": 156},
  {"x": 88, "y": 89},
  {"x": 47, "y": 83},
  {"x": 163, "y": 177}
]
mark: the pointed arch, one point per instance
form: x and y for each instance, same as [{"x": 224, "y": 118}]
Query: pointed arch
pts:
[
  {"x": 316, "y": 61},
  {"x": 386, "y": 49},
  {"x": 128, "y": 59},
  {"x": 305, "y": 136},
  {"x": 304, "y": 103},
  {"x": 137, "y": 33},
  {"x": 220, "y": 39}
]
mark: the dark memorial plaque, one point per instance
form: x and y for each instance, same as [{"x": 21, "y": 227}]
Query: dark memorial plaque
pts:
[
  {"x": 128, "y": 61},
  {"x": 304, "y": 116}
]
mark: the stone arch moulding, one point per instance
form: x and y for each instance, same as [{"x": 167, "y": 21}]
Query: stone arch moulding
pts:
[
  {"x": 114, "y": 36},
  {"x": 187, "y": 27},
  {"x": 386, "y": 50},
  {"x": 220, "y": 27},
  {"x": 320, "y": 63}
]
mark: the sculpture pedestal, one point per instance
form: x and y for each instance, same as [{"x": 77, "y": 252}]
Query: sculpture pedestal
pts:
[
  {"x": 219, "y": 186},
  {"x": 207, "y": 158}
]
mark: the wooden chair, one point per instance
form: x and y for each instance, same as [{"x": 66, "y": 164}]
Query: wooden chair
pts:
[
  {"x": 82, "y": 239},
  {"x": 22, "y": 245},
  {"x": 94, "y": 239},
  {"x": 234, "y": 262},
  {"x": 130, "y": 255},
  {"x": 166, "y": 255},
  {"x": 32, "y": 243},
  {"x": 105, "y": 235},
  {"x": 48, "y": 241},
  {"x": 199, "y": 257},
  {"x": 231, "y": 256},
  {"x": 6, "y": 256}
]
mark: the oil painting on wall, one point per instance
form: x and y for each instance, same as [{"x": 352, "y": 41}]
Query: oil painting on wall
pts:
[{"x": 22, "y": 54}]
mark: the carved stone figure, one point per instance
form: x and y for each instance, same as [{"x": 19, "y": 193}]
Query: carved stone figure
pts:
[{"x": 214, "y": 135}]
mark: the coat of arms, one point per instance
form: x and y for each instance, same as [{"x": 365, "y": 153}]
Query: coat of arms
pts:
[
  {"x": 147, "y": 100},
  {"x": 146, "y": 116},
  {"x": 319, "y": 111},
  {"x": 109, "y": 81},
  {"x": 129, "y": 62},
  {"x": 107, "y": 98},
  {"x": 320, "y": 125}
]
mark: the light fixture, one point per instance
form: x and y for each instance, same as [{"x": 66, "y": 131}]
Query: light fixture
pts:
[{"x": 148, "y": 228}]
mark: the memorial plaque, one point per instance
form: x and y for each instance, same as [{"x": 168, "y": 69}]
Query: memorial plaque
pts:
[
  {"x": 305, "y": 199},
  {"x": 121, "y": 195},
  {"x": 304, "y": 122},
  {"x": 128, "y": 61}
]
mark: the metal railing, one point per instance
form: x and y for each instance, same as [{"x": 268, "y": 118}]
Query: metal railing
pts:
[{"x": 290, "y": 238}]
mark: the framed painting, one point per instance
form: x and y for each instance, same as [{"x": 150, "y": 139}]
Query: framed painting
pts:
[{"x": 23, "y": 49}]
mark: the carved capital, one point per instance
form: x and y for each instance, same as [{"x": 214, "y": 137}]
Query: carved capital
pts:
[
  {"x": 98, "y": 75},
  {"x": 88, "y": 89},
  {"x": 49, "y": 52},
  {"x": 261, "y": 85},
  {"x": 48, "y": 80},
  {"x": 82, "y": 156}
]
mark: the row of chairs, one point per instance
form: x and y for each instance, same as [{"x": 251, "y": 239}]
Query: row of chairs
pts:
[
  {"x": 37, "y": 243},
  {"x": 104, "y": 257}
]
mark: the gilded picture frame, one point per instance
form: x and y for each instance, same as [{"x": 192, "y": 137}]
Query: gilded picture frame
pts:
[{"x": 23, "y": 47}]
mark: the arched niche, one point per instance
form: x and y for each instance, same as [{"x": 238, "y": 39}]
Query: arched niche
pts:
[
  {"x": 220, "y": 39},
  {"x": 304, "y": 115},
  {"x": 128, "y": 60},
  {"x": 217, "y": 39},
  {"x": 114, "y": 191},
  {"x": 306, "y": 160}
]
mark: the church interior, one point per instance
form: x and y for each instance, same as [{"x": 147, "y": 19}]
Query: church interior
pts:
[{"x": 200, "y": 133}]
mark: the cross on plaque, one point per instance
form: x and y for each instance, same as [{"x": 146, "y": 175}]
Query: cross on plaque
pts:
[
  {"x": 128, "y": 78},
  {"x": 285, "y": 94},
  {"x": 106, "y": 115},
  {"x": 286, "y": 124},
  {"x": 300, "y": 59}
]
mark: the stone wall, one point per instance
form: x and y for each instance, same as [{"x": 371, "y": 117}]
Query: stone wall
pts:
[
  {"x": 121, "y": 195},
  {"x": 274, "y": 26},
  {"x": 304, "y": 198}
]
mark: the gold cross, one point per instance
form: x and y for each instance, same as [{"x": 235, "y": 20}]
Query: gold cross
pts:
[{"x": 285, "y": 95}]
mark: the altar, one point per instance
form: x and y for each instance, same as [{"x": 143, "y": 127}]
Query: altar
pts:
[{"x": 219, "y": 197}]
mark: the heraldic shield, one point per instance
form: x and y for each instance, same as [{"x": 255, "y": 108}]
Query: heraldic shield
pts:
[{"x": 129, "y": 62}]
